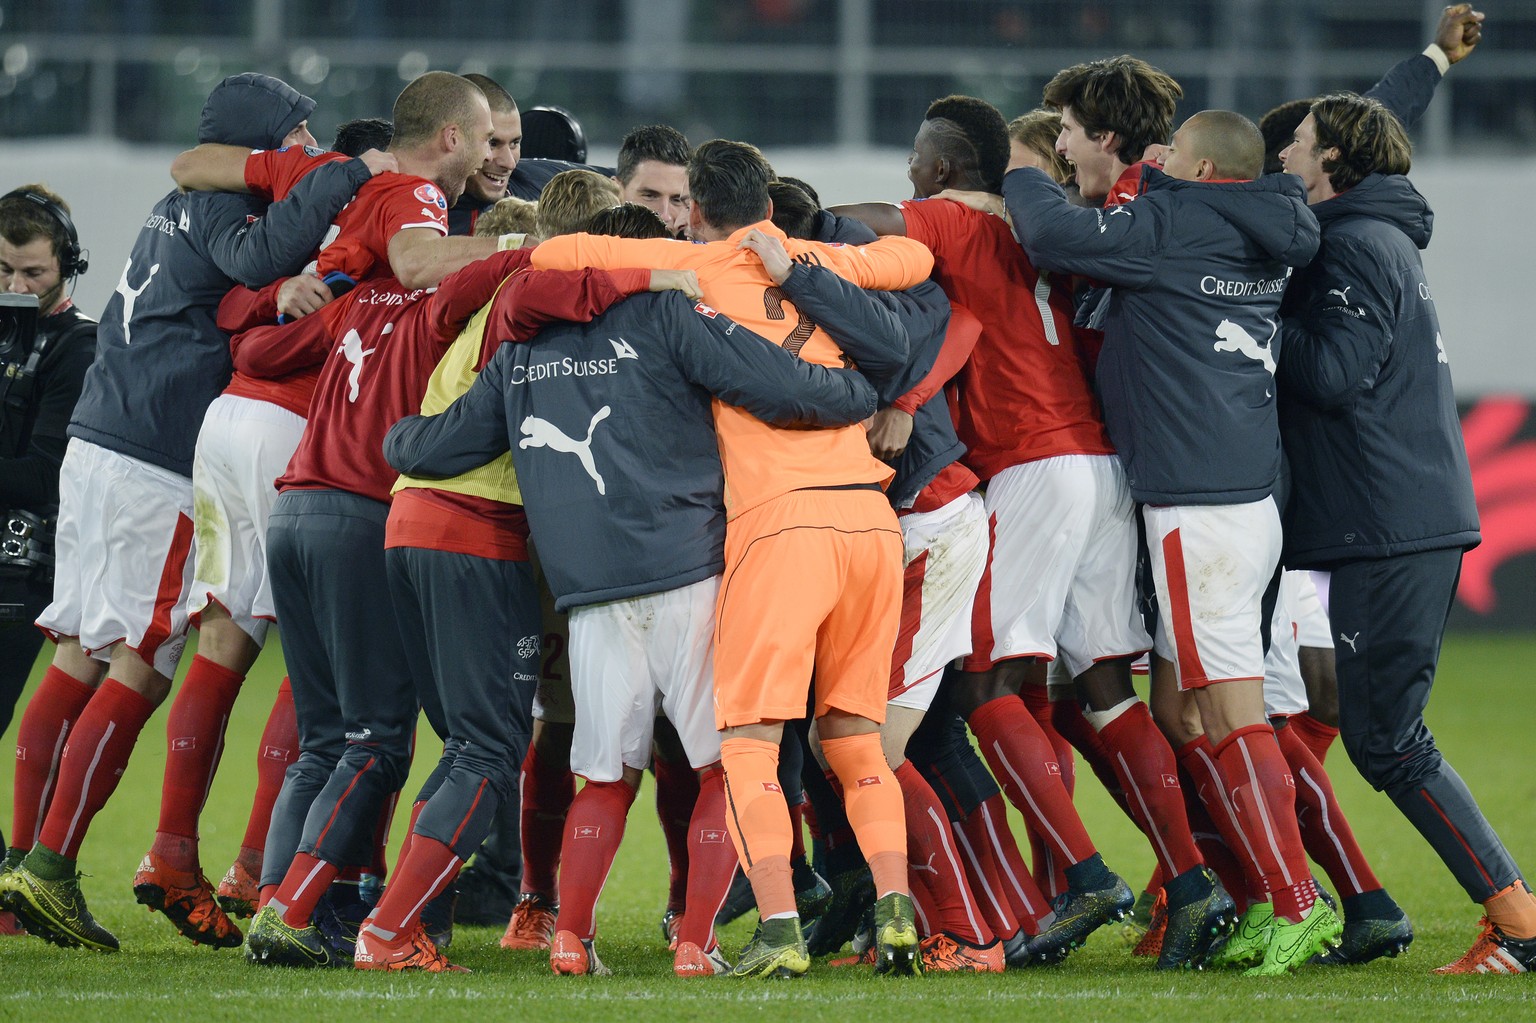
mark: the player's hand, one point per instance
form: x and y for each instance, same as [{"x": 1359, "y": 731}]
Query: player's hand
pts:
[
  {"x": 1459, "y": 31},
  {"x": 685, "y": 281},
  {"x": 379, "y": 162},
  {"x": 771, "y": 251},
  {"x": 889, "y": 431},
  {"x": 981, "y": 202},
  {"x": 301, "y": 295}
]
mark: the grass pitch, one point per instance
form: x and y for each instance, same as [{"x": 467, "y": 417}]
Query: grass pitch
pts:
[{"x": 1483, "y": 687}]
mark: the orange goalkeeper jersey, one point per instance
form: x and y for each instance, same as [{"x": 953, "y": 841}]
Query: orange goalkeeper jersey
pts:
[{"x": 762, "y": 462}]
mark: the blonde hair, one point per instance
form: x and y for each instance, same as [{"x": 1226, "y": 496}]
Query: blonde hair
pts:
[
  {"x": 570, "y": 200},
  {"x": 508, "y": 216},
  {"x": 1037, "y": 131}
]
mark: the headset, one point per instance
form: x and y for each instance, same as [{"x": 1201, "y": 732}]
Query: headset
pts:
[{"x": 73, "y": 260}]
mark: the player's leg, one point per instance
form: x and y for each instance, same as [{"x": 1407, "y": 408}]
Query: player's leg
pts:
[
  {"x": 474, "y": 674},
  {"x": 1393, "y": 611},
  {"x": 1211, "y": 565},
  {"x": 342, "y": 547},
  {"x": 682, "y": 664},
  {"x": 615, "y": 701},
  {"x": 144, "y": 532}
]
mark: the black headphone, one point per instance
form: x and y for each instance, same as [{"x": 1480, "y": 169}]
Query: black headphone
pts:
[{"x": 73, "y": 261}]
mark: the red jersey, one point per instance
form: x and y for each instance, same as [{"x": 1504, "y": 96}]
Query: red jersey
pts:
[
  {"x": 380, "y": 344},
  {"x": 272, "y": 173},
  {"x": 386, "y": 205},
  {"x": 1024, "y": 394}
]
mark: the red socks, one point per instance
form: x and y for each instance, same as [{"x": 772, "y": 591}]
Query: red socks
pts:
[
  {"x": 1264, "y": 796},
  {"x": 547, "y": 792},
  {"x": 1316, "y": 735},
  {"x": 1025, "y": 765},
  {"x": 93, "y": 762},
  {"x": 711, "y": 860},
  {"x": 279, "y": 748},
  {"x": 194, "y": 734},
  {"x": 40, "y": 736},
  {"x": 999, "y": 874},
  {"x": 420, "y": 875},
  {"x": 677, "y": 787},
  {"x": 933, "y": 863},
  {"x": 306, "y": 880},
  {"x": 1325, "y": 832},
  {"x": 1144, "y": 763},
  {"x": 1198, "y": 758},
  {"x": 593, "y": 830}
]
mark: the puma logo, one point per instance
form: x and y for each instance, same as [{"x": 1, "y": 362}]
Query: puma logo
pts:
[
  {"x": 1440, "y": 350},
  {"x": 1350, "y": 640},
  {"x": 541, "y": 433},
  {"x": 131, "y": 294},
  {"x": 1235, "y": 339},
  {"x": 1343, "y": 295},
  {"x": 353, "y": 351},
  {"x": 927, "y": 867}
]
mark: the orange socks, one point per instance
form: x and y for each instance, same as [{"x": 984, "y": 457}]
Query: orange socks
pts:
[
  {"x": 874, "y": 804},
  {"x": 757, "y": 818},
  {"x": 1513, "y": 911}
]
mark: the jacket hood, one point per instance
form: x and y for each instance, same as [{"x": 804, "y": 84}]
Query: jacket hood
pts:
[
  {"x": 1387, "y": 197},
  {"x": 252, "y": 110},
  {"x": 1270, "y": 211}
]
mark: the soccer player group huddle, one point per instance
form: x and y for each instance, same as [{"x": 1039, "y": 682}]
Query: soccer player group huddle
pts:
[{"x": 854, "y": 521}]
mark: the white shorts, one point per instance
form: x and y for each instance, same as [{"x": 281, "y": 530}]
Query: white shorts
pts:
[
  {"x": 1312, "y": 626},
  {"x": 123, "y": 556},
  {"x": 1211, "y": 565},
  {"x": 243, "y": 447},
  {"x": 631, "y": 658},
  {"x": 1062, "y": 575},
  {"x": 1285, "y": 693},
  {"x": 945, "y": 552}
]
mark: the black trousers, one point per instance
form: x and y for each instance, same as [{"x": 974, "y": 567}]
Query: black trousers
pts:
[{"x": 1388, "y": 617}]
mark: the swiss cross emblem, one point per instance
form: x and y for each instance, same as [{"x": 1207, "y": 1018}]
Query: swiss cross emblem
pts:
[
  {"x": 712, "y": 837},
  {"x": 771, "y": 786},
  {"x": 1051, "y": 767},
  {"x": 587, "y": 831},
  {"x": 1170, "y": 781},
  {"x": 871, "y": 780}
]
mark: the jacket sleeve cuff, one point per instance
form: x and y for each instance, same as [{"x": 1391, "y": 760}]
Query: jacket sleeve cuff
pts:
[{"x": 1434, "y": 53}]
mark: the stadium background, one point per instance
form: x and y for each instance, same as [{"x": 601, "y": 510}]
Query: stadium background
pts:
[{"x": 97, "y": 95}]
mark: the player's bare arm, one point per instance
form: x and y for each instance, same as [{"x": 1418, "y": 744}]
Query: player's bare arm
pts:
[
  {"x": 880, "y": 217},
  {"x": 420, "y": 257},
  {"x": 213, "y": 167}
]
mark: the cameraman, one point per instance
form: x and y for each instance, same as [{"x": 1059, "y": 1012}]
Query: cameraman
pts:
[{"x": 41, "y": 373}]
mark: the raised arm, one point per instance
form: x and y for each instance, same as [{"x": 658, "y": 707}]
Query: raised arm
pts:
[{"x": 1409, "y": 85}]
